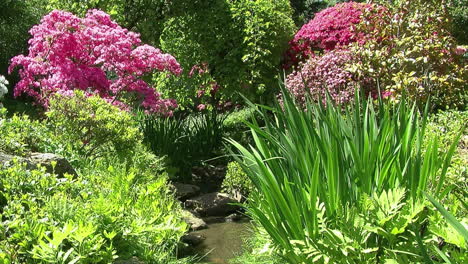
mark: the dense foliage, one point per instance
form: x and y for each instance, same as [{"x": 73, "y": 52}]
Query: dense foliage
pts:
[
  {"x": 92, "y": 54},
  {"x": 358, "y": 160},
  {"x": 110, "y": 213},
  {"x": 413, "y": 52},
  {"x": 404, "y": 48},
  {"x": 143, "y": 16},
  {"x": 459, "y": 12},
  {"x": 241, "y": 43},
  {"x": 113, "y": 209},
  {"x": 92, "y": 126},
  {"x": 16, "y": 18},
  {"x": 322, "y": 75},
  {"x": 184, "y": 142}
]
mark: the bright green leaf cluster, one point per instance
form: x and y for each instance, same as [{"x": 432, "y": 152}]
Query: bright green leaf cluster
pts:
[{"x": 92, "y": 126}]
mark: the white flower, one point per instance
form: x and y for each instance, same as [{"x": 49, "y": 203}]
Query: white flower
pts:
[{"x": 3, "y": 88}]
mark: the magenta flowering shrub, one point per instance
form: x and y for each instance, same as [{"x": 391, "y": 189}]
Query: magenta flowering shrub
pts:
[
  {"x": 322, "y": 74},
  {"x": 93, "y": 54},
  {"x": 329, "y": 28}
]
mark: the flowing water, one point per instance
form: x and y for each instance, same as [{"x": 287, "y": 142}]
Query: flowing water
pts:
[{"x": 223, "y": 241}]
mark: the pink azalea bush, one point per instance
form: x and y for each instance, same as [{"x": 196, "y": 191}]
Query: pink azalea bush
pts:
[
  {"x": 322, "y": 74},
  {"x": 329, "y": 28},
  {"x": 93, "y": 54}
]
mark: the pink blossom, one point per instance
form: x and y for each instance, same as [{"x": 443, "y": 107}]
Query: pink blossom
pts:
[
  {"x": 459, "y": 50},
  {"x": 92, "y": 54},
  {"x": 200, "y": 93},
  {"x": 320, "y": 75},
  {"x": 201, "y": 107},
  {"x": 330, "y": 28}
]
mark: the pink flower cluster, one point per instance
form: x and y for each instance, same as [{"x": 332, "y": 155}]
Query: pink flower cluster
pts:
[
  {"x": 322, "y": 74},
  {"x": 329, "y": 28},
  {"x": 93, "y": 54}
]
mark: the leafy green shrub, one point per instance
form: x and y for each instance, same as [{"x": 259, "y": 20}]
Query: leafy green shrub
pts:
[
  {"x": 91, "y": 126},
  {"x": 236, "y": 181},
  {"x": 411, "y": 51},
  {"x": 241, "y": 42},
  {"x": 112, "y": 213},
  {"x": 322, "y": 155}
]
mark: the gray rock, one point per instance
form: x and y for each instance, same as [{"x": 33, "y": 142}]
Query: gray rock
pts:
[
  {"x": 212, "y": 204},
  {"x": 233, "y": 217},
  {"x": 62, "y": 166},
  {"x": 185, "y": 191},
  {"x": 194, "y": 222},
  {"x": 193, "y": 239}
]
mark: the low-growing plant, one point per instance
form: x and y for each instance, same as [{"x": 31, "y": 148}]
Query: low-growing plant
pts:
[
  {"x": 185, "y": 142},
  {"x": 21, "y": 135},
  {"x": 91, "y": 126},
  {"x": 446, "y": 125},
  {"x": 111, "y": 213},
  {"x": 302, "y": 158}
]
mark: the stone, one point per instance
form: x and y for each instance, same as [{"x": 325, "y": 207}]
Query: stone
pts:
[
  {"x": 62, "y": 166},
  {"x": 233, "y": 217},
  {"x": 194, "y": 222},
  {"x": 212, "y": 204},
  {"x": 185, "y": 191},
  {"x": 193, "y": 239}
]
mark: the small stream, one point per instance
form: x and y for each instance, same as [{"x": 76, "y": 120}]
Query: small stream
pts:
[{"x": 223, "y": 241}]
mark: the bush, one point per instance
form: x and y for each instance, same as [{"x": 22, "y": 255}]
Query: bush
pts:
[
  {"x": 240, "y": 41},
  {"x": 412, "y": 52},
  {"x": 322, "y": 75},
  {"x": 92, "y": 127},
  {"x": 328, "y": 158},
  {"x": 91, "y": 54},
  {"x": 109, "y": 214},
  {"x": 328, "y": 29}
]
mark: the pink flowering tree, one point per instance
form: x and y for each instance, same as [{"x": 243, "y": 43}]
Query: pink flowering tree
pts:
[
  {"x": 330, "y": 28},
  {"x": 93, "y": 54}
]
